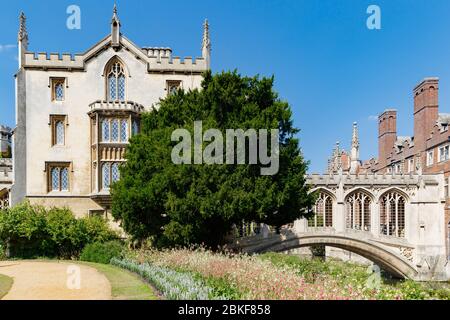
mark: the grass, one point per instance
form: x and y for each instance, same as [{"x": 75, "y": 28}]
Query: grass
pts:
[
  {"x": 124, "y": 284},
  {"x": 5, "y": 285}
]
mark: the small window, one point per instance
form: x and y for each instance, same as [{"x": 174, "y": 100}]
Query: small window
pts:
[
  {"x": 58, "y": 177},
  {"x": 173, "y": 86},
  {"x": 58, "y": 126},
  {"x": 58, "y": 86},
  {"x": 430, "y": 158},
  {"x": 444, "y": 153}
]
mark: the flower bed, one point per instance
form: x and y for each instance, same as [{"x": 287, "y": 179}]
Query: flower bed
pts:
[
  {"x": 253, "y": 278},
  {"x": 172, "y": 284}
]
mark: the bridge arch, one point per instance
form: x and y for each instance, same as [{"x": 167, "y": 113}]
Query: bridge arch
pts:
[{"x": 388, "y": 260}]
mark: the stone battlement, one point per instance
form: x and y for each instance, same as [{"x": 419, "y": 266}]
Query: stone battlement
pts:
[{"x": 372, "y": 179}]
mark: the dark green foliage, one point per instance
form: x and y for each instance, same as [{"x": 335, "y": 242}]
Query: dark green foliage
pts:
[
  {"x": 194, "y": 204},
  {"x": 33, "y": 231},
  {"x": 102, "y": 252}
]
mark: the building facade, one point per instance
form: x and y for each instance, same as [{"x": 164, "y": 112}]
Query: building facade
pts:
[
  {"x": 76, "y": 113},
  {"x": 424, "y": 156}
]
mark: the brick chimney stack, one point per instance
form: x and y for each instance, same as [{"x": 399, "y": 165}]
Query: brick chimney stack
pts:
[
  {"x": 387, "y": 135},
  {"x": 426, "y": 107}
]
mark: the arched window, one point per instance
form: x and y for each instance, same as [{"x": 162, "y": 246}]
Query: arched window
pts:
[
  {"x": 392, "y": 214},
  {"x": 358, "y": 211},
  {"x": 323, "y": 212},
  {"x": 116, "y": 82},
  {"x": 59, "y": 127}
]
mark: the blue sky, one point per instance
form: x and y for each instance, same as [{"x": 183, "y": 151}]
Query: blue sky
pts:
[{"x": 326, "y": 63}]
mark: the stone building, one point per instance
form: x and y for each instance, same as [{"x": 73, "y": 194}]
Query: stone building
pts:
[{"x": 76, "y": 113}]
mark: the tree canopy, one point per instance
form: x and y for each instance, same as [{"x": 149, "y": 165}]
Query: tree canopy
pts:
[{"x": 183, "y": 204}]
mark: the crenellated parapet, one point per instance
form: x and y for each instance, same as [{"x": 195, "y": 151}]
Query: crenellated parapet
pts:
[{"x": 373, "y": 179}]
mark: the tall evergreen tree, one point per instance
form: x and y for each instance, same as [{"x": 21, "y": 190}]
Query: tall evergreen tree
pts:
[{"x": 192, "y": 204}]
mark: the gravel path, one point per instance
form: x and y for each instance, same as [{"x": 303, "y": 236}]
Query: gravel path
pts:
[{"x": 35, "y": 280}]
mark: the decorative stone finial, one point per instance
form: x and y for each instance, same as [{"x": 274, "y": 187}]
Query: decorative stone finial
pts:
[
  {"x": 206, "y": 44},
  {"x": 23, "y": 33},
  {"x": 115, "y": 28},
  {"x": 355, "y": 140}
]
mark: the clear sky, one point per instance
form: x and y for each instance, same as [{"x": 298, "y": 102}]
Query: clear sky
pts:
[{"x": 331, "y": 68}]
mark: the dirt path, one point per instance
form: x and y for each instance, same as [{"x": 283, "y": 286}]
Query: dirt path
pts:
[{"x": 54, "y": 281}]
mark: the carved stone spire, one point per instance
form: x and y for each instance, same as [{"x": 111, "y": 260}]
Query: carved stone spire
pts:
[
  {"x": 355, "y": 140},
  {"x": 354, "y": 154},
  {"x": 206, "y": 44},
  {"x": 23, "y": 33},
  {"x": 22, "y": 39},
  {"x": 115, "y": 28}
]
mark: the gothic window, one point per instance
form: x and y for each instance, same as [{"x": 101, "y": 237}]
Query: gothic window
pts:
[
  {"x": 59, "y": 177},
  {"x": 392, "y": 214},
  {"x": 59, "y": 133},
  {"x": 323, "y": 212},
  {"x": 358, "y": 211},
  {"x": 116, "y": 82},
  {"x": 58, "y": 89},
  {"x": 58, "y": 127}
]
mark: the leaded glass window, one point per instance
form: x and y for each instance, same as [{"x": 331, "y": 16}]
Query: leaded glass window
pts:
[
  {"x": 115, "y": 130},
  {"x": 65, "y": 179},
  {"x": 59, "y": 178},
  {"x": 59, "y": 128},
  {"x": 106, "y": 175},
  {"x": 116, "y": 82},
  {"x": 59, "y": 91},
  {"x": 55, "y": 172},
  {"x": 115, "y": 172},
  {"x": 124, "y": 130},
  {"x": 105, "y": 130}
]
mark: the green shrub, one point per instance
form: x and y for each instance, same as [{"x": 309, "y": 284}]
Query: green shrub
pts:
[
  {"x": 102, "y": 252},
  {"x": 32, "y": 231}
]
